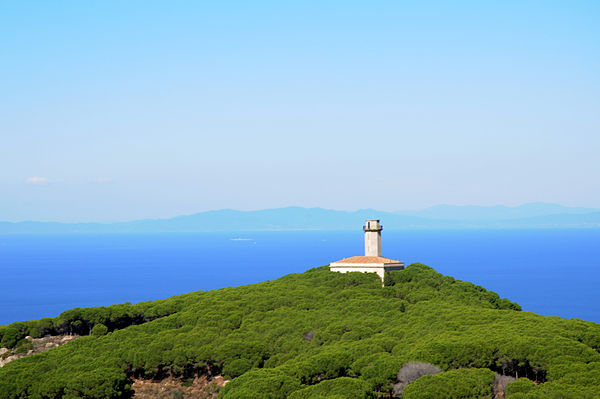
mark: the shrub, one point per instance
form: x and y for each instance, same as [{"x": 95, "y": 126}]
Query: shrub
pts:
[
  {"x": 461, "y": 383},
  {"x": 340, "y": 388},
  {"x": 10, "y": 337},
  {"x": 237, "y": 367},
  {"x": 23, "y": 346},
  {"x": 521, "y": 385},
  {"x": 261, "y": 383},
  {"x": 99, "y": 330}
]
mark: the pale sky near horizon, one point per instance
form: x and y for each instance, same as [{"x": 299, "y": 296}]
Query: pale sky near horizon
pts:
[{"x": 119, "y": 110}]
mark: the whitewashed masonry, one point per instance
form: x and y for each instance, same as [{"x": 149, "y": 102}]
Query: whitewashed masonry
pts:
[{"x": 372, "y": 262}]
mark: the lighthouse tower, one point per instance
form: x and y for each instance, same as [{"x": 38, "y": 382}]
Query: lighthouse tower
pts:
[
  {"x": 372, "y": 230},
  {"x": 372, "y": 262}
]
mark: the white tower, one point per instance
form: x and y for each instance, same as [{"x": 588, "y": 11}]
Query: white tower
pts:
[{"x": 372, "y": 230}]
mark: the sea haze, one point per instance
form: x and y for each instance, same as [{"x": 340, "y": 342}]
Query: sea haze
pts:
[
  {"x": 547, "y": 271},
  {"x": 532, "y": 215}
]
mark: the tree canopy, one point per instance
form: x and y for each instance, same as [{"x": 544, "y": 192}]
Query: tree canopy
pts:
[{"x": 313, "y": 335}]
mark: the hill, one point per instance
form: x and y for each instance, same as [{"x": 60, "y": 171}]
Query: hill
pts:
[
  {"x": 292, "y": 218},
  {"x": 297, "y": 218},
  {"x": 315, "y": 335},
  {"x": 498, "y": 213}
]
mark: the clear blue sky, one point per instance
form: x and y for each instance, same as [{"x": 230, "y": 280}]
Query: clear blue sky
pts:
[{"x": 117, "y": 110}]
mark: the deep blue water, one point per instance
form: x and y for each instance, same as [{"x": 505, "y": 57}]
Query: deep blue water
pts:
[{"x": 551, "y": 272}]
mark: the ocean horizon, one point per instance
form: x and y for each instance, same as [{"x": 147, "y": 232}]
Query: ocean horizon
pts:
[{"x": 553, "y": 272}]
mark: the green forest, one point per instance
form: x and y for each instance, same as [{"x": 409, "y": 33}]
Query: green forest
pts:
[{"x": 314, "y": 335}]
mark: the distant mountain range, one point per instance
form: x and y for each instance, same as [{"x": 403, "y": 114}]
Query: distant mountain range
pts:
[
  {"x": 496, "y": 213},
  {"x": 533, "y": 215}
]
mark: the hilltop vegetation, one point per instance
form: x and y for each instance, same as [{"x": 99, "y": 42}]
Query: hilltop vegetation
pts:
[{"x": 314, "y": 335}]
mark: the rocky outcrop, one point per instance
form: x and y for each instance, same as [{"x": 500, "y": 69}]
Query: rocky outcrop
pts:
[{"x": 38, "y": 345}]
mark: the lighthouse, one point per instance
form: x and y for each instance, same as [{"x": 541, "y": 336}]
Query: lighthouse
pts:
[{"x": 372, "y": 261}]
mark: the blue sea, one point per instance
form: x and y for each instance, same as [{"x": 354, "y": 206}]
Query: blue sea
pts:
[{"x": 550, "y": 272}]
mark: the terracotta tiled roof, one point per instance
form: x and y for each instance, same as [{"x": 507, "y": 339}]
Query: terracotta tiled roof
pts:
[{"x": 367, "y": 259}]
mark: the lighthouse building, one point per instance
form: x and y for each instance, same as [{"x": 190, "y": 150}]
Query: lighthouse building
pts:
[{"x": 372, "y": 262}]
